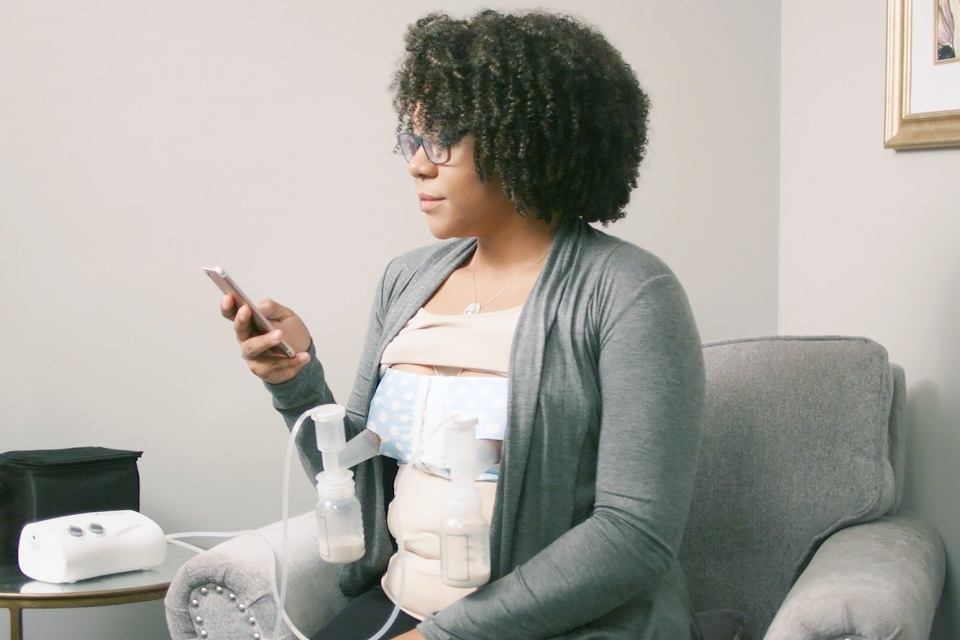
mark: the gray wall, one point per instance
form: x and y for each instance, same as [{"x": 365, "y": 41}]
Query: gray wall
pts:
[
  {"x": 139, "y": 141},
  {"x": 868, "y": 241}
]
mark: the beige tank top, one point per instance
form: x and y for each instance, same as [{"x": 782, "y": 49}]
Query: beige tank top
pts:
[{"x": 481, "y": 341}]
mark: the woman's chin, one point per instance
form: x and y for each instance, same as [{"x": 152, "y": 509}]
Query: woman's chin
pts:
[{"x": 442, "y": 231}]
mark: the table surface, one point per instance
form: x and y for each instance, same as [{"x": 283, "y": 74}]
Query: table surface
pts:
[{"x": 26, "y": 592}]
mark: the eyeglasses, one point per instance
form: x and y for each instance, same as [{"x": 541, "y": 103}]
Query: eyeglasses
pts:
[{"x": 437, "y": 153}]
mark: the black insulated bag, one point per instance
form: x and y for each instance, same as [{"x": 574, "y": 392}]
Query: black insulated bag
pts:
[{"x": 46, "y": 483}]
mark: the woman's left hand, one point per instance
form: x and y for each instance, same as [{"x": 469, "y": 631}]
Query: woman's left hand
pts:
[{"x": 413, "y": 634}]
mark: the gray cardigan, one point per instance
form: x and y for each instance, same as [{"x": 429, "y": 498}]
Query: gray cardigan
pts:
[{"x": 604, "y": 412}]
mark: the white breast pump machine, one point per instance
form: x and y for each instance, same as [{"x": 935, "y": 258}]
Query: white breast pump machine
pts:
[{"x": 464, "y": 532}]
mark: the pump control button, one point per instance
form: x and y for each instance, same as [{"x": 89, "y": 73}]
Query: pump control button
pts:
[
  {"x": 75, "y": 531},
  {"x": 95, "y": 527}
]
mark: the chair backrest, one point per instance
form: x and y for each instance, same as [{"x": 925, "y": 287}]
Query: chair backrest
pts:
[{"x": 802, "y": 437}]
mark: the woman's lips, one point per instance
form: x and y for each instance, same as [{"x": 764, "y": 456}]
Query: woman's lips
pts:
[{"x": 428, "y": 203}]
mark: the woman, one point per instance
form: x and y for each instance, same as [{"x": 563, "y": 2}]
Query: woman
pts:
[{"x": 518, "y": 131}]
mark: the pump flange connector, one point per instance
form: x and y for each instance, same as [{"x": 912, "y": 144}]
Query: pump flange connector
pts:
[{"x": 328, "y": 425}]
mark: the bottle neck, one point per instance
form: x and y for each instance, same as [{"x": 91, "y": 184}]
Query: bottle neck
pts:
[
  {"x": 335, "y": 486},
  {"x": 463, "y": 502}
]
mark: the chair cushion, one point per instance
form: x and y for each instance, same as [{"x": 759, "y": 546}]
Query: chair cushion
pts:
[
  {"x": 721, "y": 624},
  {"x": 795, "y": 446}
]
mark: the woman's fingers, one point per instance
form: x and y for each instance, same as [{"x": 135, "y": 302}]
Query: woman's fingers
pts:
[
  {"x": 294, "y": 331},
  {"x": 228, "y": 307},
  {"x": 276, "y": 369},
  {"x": 273, "y": 310},
  {"x": 262, "y": 351},
  {"x": 257, "y": 346},
  {"x": 242, "y": 325}
]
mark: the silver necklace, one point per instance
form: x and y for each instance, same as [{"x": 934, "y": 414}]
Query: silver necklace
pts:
[{"x": 476, "y": 305}]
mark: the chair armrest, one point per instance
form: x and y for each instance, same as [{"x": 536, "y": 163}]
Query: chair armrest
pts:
[
  {"x": 881, "y": 579},
  {"x": 226, "y": 591}
]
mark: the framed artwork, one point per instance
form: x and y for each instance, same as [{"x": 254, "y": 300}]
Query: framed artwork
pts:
[{"x": 923, "y": 74}]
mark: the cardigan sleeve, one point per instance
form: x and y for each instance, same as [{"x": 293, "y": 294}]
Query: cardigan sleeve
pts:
[
  {"x": 309, "y": 387},
  {"x": 652, "y": 384}
]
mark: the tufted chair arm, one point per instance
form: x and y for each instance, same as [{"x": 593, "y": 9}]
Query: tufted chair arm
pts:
[
  {"x": 225, "y": 593},
  {"x": 881, "y": 579}
]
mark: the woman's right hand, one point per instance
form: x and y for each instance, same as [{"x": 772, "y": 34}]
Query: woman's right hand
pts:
[{"x": 260, "y": 351}]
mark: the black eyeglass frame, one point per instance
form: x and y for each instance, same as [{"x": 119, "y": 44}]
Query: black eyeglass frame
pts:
[{"x": 437, "y": 152}]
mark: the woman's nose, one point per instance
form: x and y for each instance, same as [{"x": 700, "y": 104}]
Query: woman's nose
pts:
[{"x": 420, "y": 165}]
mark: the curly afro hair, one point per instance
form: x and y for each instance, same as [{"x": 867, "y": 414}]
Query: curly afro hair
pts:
[{"x": 558, "y": 115}]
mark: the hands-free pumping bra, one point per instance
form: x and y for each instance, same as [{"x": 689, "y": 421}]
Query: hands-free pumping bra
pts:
[{"x": 408, "y": 412}]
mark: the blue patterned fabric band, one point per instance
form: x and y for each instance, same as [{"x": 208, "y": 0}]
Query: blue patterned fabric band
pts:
[{"x": 408, "y": 412}]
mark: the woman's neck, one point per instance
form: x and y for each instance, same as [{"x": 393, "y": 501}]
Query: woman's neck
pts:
[{"x": 514, "y": 244}]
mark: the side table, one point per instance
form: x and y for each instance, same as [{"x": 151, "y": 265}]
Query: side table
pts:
[{"x": 18, "y": 592}]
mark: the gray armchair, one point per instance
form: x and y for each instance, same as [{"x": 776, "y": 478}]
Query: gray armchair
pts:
[{"x": 794, "y": 520}]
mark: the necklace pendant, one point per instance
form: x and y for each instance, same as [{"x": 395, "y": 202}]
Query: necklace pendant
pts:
[{"x": 472, "y": 308}]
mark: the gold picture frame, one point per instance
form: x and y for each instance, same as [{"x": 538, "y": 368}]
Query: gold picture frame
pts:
[{"x": 904, "y": 129}]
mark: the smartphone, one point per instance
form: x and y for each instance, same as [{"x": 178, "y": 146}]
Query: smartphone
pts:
[{"x": 260, "y": 322}]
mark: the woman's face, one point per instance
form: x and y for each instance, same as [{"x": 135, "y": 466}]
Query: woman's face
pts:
[{"x": 455, "y": 202}]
